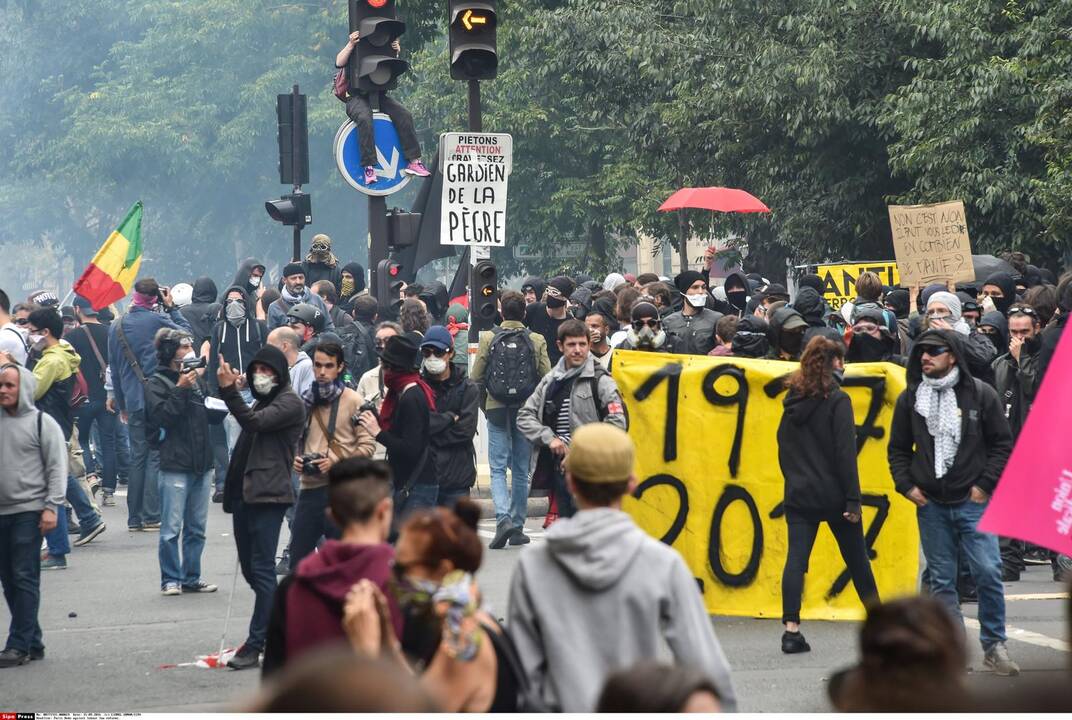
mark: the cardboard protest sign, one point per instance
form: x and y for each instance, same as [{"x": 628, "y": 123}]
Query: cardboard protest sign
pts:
[
  {"x": 839, "y": 281},
  {"x": 1033, "y": 499},
  {"x": 711, "y": 486},
  {"x": 931, "y": 243}
]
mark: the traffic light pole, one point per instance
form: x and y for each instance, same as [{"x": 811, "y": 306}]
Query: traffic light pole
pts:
[
  {"x": 295, "y": 141},
  {"x": 476, "y": 254}
]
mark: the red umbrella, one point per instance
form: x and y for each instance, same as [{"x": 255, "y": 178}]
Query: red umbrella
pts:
[{"x": 714, "y": 198}]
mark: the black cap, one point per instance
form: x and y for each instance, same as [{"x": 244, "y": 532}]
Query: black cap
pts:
[
  {"x": 293, "y": 269},
  {"x": 644, "y": 311},
  {"x": 402, "y": 352},
  {"x": 685, "y": 280}
]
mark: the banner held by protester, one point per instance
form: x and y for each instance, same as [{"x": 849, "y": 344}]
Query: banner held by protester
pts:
[{"x": 711, "y": 486}]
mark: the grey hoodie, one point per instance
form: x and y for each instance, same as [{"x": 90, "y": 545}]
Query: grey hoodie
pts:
[
  {"x": 600, "y": 596},
  {"x": 33, "y": 468}
]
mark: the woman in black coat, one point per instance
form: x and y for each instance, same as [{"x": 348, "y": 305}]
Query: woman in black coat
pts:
[{"x": 817, "y": 454}]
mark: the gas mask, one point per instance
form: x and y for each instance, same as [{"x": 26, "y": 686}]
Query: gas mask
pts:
[
  {"x": 646, "y": 338},
  {"x": 235, "y": 312}
]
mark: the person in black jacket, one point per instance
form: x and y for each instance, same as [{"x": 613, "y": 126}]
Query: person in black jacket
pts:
[
  {"x": 203, "y": 310},
  {"x": 949, "y": 441},
  {"x": 258, "y": 489},
  {"x": 453, "y": 424},
  {"x": 402, "y": 426},
  {"x": 175, "y": 410},
  {"x": 817, "y": 454}
]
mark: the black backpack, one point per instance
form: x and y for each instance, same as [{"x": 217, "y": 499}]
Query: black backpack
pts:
[
  {"x": 511, "y": 374},
  {"x": 360, "y": 358}
]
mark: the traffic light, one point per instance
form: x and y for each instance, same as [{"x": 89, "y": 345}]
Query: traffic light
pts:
[
  {"x": 293, "y": 138},
  {"x": 483, "y": 307},
  {"x": 294, "y": 209},
  {"x": 389, "y": 287},
  {"x": 373, "y": 66},
  {"x": 473, "y": 51}
]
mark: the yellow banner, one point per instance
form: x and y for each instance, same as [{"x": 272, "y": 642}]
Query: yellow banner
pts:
[
  {"x": 711, "y": 487},
  {"x": 839, "y": 281}
]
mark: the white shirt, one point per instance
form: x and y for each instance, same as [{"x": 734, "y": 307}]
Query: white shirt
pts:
[{"x": 13, "y": 341}]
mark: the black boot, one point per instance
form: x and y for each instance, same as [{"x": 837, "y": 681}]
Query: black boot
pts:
[
  {"x": 503, "y": 532},
  {"x": 246, "y": 657}
]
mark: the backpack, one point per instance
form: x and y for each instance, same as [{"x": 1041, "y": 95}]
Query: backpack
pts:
[
  {"x": 340, "y": 85},
  {"x": 79, "y": 394},
  {"x": 355, "y": 347},
  {"x": 511, "y": 374}
]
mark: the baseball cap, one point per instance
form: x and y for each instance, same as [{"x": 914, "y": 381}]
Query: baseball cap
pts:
[
  {"x": 85, "y": 306},
  {"x": 45, "y": 299},
  {"x": 600, "y": 453},
  {"x": 438, "y": 337}
]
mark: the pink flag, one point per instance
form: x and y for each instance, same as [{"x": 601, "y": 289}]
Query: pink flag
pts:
[{"x": 1033, "y": 500}]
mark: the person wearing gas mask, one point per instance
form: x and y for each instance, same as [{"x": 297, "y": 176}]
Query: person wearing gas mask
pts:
[
  {"x": 237, "y": 336},
  {"x": 175, "y": 410},
  {"x": 694, "y": 324},
  {"x": 646, "y": 332},
  {"x": 321, "y": 263},
  {"x": 545, "y": 317},
  {"x": 332, "y": 434},
  {"x": 295, "y": 291},
  {"x": 453, "y": 422},
  {"x": 871, "y": 340}
]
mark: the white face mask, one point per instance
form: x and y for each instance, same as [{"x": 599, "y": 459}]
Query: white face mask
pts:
[
  {"x": 255, "y": 280},
  {"x": 434, "y": 365},
  {"x": 35, "y": 338},
  {"x": 988, "y": 305},
  {"x": 697, "y": 301},
  {"x": 191, "y": 355},
  {"x": 264, "y": 384}
]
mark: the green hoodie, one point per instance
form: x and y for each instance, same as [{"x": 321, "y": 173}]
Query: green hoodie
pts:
[{"x": 57, "y": 363}]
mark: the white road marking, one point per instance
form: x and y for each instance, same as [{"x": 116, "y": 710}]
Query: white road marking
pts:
[
  {"x": 1038, "y": 596},
  {"x": 1027, "y": 636}
]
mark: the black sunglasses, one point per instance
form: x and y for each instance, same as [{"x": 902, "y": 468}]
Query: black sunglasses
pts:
[
  {"x": 22, "y": 321},
  {"x": 429, "y": 351},
  {"x": 639, "y": 325},
  {"x": 935, "y": 350}
]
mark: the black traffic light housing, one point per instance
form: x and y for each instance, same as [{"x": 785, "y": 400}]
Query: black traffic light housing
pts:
[
  {"x": 483, "y": 305},
  {"x": 389, "y": 288},
  {"x": 293, "y": 138},
  {"x": 402, "y": 228},
  {"x": 295, "y": 209},
  {"x": 373, "y": 66},
  {"x": 473, "y": 51}
]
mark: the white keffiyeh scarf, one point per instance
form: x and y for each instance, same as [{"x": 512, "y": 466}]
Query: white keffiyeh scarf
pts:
[{"x": 936, "y": 401}]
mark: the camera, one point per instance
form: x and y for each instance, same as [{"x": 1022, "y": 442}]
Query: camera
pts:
[
  {"x": 191, "y": 364},
  {"x": 367, "y": 406},
  {"x": 309, "y": 466}
]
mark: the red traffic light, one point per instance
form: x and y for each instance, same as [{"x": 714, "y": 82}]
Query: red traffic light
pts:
[
  {"x": 394, "y": 270},
  {"x": 377, "y": 3}
]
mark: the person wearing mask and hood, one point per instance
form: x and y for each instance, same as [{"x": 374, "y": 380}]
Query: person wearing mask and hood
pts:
[
  {"x": 737, "y": 292},
  {"x": 811, "y": 306},
  {"x": 646, "y": 332},
  {"x": 995, "y": 328},
  {"x": 944, "y": 313},
  {"x": 251, "y": 278},
  {"x": 533, "y": 288},
  {"x": 258, "y": 488},
  {"x": 352, "y": 285},
  {"x": 786, "y": 332},
  {"x": 237, "y": 336},
  {"x": 295, "y": 291},
  {"x": 545, "y": 317},
  {"x": 436, "y": 299},
  {"x": 453, "y": 423},
  {"x": 321, "y": 263},
  {"x": 203, "y": 310},
  {"x": 750, "y": 340},
  {"x": 999, "y": 293},
  {"x": 694, "y": 324},
  {"x": 871, "y": 340}
]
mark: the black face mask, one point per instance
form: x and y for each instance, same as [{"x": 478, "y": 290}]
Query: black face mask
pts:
[
  {"x": 737, "y": 298},
  {"x": 1033, "y": 344},
  {"x": 555, "y": 303},
  {"x": 995, "y": 340},
  {"x": 791, "y": 343},
  {"x": 865, "y": 348}
]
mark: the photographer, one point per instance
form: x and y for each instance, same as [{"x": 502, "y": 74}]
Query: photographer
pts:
[
  {"x": 177, "y": 425},
  {"x": 331, "y": 434}
]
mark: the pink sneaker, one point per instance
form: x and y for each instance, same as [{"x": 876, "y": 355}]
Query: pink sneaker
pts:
[
  {"x": 370, "y": 175},
  {"x": 417, "y": 168}
]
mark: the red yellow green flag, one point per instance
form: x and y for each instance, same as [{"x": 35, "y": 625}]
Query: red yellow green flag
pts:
[{"x": 111, "y": 273}]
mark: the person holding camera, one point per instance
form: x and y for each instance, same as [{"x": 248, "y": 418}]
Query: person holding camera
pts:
[
  {"x": 332, "y": 433},
  {"x": 177, "y": 423}
]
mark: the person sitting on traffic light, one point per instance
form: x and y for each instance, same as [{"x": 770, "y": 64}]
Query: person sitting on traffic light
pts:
[{"x": 359, "y": 110}]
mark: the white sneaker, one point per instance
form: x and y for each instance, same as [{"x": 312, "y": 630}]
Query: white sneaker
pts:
[
  {"x": 171, "y": 589},
  {"x": 997, "y": 659}
]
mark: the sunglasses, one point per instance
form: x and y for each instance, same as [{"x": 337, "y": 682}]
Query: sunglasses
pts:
[
  {"x": 639, "y": 325},
  {"x": 1018, "y": 310},
  {"x": 430, "y": 351},
  {"x": 935, "y": 350},
  {"x": 22, "y": 321}
]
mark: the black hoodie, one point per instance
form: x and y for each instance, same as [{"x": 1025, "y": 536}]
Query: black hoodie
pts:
[
  {"x": 776, "y": 333},
  {"x": 811, "y": 307},
  {"x": 260, "y": 467},
  {"x": 346, "y": 302},
  {"x": 1008, "y": 288},
  {"x": 985, "y": 440},
  {"x": 203, "y": 310},
  {"x": 817, "y": 454},
  {"x": 238, "y": 344},
  {"x": 241, "y": 277}
]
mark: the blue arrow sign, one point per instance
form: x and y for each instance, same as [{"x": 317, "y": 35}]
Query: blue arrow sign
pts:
[{"x": 389, "y": 158}]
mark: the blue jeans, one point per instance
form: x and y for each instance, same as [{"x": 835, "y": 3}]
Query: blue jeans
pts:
[
  {"x": 310, "y": 524},
  {"x": 184, "y": 499},
  {"x": 20, "y": 574},
  {"x": 88, "y": 518},
  {"x": 221, "y": 454},
  {"x": 508, "y": 447},
  {"x": 942, "y": 530},
  {"x": 143, "y": 490},
  {"x": 59, "y": 544},
  {"x": 421, "y": 497},
  {"x": 256, "y": 532},
  {"x": 95, "y": 414},
  {"x": 122, "y": 452}
]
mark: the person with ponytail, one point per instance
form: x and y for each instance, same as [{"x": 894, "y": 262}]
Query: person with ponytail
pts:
[
  {"x": 460, "y": 652},
  {"x": 817, "y": 454}
]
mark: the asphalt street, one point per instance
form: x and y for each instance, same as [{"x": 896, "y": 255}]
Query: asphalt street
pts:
[{"x": 115, "y": 644}]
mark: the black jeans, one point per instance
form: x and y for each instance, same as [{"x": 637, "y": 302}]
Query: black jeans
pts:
[
  {"x": 850, "y": 540},
  {"x": 256, "y": 531},
  {"x": 20, "y": 574},
  {"x": 359, "y": 110},
  {"x": 310, "y": 524}
]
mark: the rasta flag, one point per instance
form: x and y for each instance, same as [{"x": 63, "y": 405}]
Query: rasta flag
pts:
[{"x": 111, "y": 273}]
